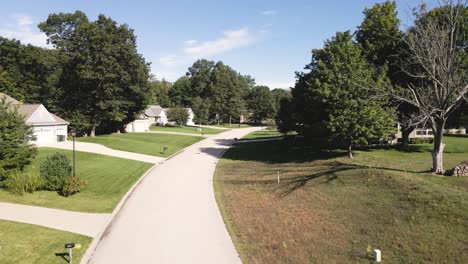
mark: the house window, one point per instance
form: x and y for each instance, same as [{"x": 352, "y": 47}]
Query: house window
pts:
[
  {"x": 429, "y": 132},
  {"x": 421, "y": 132}
]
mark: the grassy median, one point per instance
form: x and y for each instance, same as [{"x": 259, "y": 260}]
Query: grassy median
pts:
[
  {"x": 188, "y": 129},
  {"x": 144, "y": 143},
  {"x": 109, "y": 178}
]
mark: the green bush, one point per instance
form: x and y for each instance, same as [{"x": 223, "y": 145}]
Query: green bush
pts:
[
  {"x": 72, "y": 185},
  {"x": 19, "y": 183},
  {"x": 55, "y": 168}
]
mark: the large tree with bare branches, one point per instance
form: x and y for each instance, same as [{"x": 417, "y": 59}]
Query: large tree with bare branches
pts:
[{"x": 437, "y": 59}]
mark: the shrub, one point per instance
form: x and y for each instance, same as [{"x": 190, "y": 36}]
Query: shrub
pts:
[
  {"x": 72, "y": 185},
  {"x": 55, "y": 168},
  {"x": 19, "y": 183}
]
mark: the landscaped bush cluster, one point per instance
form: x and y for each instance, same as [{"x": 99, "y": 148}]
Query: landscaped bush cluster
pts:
[
  {"x": 55, "y": 175},
  {"x": 19, "y": 182},
  {"x": 56, "y": 170}
]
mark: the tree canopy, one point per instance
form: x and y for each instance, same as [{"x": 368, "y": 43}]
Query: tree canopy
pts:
[{"x": 104, "y": 79}]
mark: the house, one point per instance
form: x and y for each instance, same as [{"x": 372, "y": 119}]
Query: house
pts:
[
  {"x": 416, "y": 133},
  {"x": 191, "y": 115},
  {"x": 47, "y": 127},
  {"x": 154, "y": 115}
]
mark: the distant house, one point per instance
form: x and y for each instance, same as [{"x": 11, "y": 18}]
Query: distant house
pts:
[
  {"x": 154, "y": 115},
  {"x": 190, "y": 118},
  {"x": 47, "y": 127},
  {"x": 416, "y": 133}
]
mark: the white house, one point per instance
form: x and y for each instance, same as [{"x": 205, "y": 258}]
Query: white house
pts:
[
  {"x": 154, "y": 114},
  {"x": 47, "y": 127}
]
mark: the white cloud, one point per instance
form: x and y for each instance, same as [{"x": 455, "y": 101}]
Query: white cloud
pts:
[
  {"x": 169, "y": 60},
  {"x": 269, "y": 12},
  {"x": 25, "y": 30},
  {"x": 231, "y": 39},
  {"x": 274, "y": 84},
  {"x": 190, "y": 42}
]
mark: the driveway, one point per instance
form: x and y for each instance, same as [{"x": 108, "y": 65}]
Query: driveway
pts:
[
  {"x": 88, "y": 224},
  {"x": 100, "y": 149},
  {"x": 172, "y": 216}
]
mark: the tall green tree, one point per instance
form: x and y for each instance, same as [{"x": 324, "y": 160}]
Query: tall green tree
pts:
[
  {"x": 201, "y": 110},
  {"x": 260, "y": 103},
  {"x": 178, "y": 114},
  {"x": 159, "y": 92},
  {"x": 226, "y": 93},
  {"x": 180, "y": 91},
  {"x": 34, "y": 72},
  {"x": 104, "y": 79},
  {"x": 278, "y": 94},
  {"x": 337, "y": 89},
  {"x": 15, "y": 135}
]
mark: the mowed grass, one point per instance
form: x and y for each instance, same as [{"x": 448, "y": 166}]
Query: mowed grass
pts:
[
  {"x": 25, "y": 243},
  {"x": 188, "y": 129},
  {"x": 109, "y": 178},
  {"x": 328, "y": 208},
  {"x": 144, "y": 143},
  {"x": 265, "y": 133}
]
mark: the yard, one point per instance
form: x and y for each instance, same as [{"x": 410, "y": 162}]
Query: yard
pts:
[
  {"x": 109, "y": 178},
  {"x": 330, "y": 209},
  {"x": 187, "y": 129},
  {"x": 266, "y": 133},
  {"x": 25, "y": 243},
  {"x": 144, "y": 143}
]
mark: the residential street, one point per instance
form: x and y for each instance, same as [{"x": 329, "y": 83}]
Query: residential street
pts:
[{"x": 172, "y": 216}]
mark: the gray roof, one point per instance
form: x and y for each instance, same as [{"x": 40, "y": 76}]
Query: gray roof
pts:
[
  {"x": 27, "y": 110},
  {"x": 8, "y": 99},
  {"x": 153, "y": 110}
]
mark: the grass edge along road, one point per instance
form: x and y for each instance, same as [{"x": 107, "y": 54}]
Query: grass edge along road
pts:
[
  {"x": 109, "y": 178},
  {"x": 144, "y": 143},
  {"x": 26, "y": 243},
  {"x": 330, "y": 209}
]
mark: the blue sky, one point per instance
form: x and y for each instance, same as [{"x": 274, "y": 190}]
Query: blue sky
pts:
[{"x": 268, "y": 40}]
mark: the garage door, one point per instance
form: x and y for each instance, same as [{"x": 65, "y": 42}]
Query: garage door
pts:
[{"x": 45, "y": 134}]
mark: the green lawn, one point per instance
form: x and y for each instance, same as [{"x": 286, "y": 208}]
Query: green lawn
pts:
[
  {"x": 233, "y": 125},
  {"x": 328, "y": 208},
  {"x": 109, "y": 178},
  {"x": 144, "y": 143},
  {"x": 187, "y": 129},
  {"x": 265, "y": 133},
  {"x": 25, "y": 243}
]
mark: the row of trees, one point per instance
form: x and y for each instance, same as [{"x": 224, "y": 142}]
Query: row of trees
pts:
[
  {"x": 216, "y": 91},
  {"x": 359, "y": 84},
  {"x": 94, "y": 77}
]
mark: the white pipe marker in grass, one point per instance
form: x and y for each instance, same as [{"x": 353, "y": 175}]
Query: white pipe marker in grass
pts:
[
  {"x": 378, "y": 255},
  {"x": 278, "y": 178}
]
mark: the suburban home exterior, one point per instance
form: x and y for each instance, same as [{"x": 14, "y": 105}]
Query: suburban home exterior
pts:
[
  {"x": 47, "y": 127},
  {"x": 154, "y": 115}
]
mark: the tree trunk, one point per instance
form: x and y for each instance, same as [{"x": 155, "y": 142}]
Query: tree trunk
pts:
[
  {"x": 405, "y": 140},
  {"x": 350, "y": 153},
  {"x": 93, "y": 132},
  {"x": 229, "y": 121},
  {"x": 438, "y": 153}
]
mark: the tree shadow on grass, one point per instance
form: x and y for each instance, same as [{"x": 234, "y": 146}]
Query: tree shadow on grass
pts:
[{"x": 294, "y": 183}]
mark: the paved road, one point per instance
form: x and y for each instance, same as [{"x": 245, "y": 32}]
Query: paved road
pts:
[
  {"x": 172, "y": 216},
  {"x": 88, "y": 224},
  {"x": 100, "y": 149}
]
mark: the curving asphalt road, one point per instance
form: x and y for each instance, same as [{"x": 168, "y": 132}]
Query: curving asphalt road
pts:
[{"x": 172, "y": 215}]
